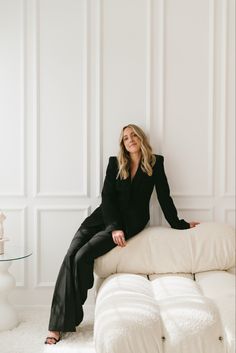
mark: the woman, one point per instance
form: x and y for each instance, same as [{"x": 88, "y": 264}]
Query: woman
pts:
[{"x": 124, "y": 212}]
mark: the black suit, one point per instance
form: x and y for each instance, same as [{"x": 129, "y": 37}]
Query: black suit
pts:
[
  {"x": 125, "y": 203},
  {"x": 125, "y": 206}
]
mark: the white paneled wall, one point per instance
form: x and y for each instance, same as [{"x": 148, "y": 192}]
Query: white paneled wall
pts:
[
  {"x": 189, "y": 111},
  {"x": 61, "y": 98},
  {"x": 12, "y": 93},
  {"x": 72, "y": 73}
]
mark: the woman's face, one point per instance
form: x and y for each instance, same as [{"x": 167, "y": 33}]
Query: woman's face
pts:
[{"x": 131, "y": 141}]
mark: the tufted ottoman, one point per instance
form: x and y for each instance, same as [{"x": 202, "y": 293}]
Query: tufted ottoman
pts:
[{"x": 169, "y": 291}]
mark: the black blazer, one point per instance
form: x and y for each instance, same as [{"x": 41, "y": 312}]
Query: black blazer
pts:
[{"x": 125, "y": 203}]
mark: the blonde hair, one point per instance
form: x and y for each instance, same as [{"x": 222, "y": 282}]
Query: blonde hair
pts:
[{"x": 147, "y": 158}]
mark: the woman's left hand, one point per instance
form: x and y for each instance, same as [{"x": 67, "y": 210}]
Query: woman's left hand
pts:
[{"x": 193, "y": 224}]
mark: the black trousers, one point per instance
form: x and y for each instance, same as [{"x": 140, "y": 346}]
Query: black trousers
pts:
[{"x": 76, "y": 277}]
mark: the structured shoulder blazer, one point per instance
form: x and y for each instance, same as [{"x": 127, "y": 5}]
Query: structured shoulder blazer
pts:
[{"x": 125, "y": 203}]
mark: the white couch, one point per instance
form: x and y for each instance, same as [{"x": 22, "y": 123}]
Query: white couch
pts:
[{"x": 168, "y": 291}]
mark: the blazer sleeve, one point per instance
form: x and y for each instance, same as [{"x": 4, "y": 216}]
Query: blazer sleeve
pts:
[
  {"x": 164, "y": 198},
  {"x": 110, "y": 209}
]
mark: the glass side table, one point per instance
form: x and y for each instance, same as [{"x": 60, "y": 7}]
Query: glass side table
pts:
[{"x": 8, "y": 314}]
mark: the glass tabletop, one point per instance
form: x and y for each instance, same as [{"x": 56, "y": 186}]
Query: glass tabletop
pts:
[{"x": 14, "y": 252}]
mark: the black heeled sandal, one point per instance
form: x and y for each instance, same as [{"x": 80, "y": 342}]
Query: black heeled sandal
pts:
[{"x": 56, "y": 340}]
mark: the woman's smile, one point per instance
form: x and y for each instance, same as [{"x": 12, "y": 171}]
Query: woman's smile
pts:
[{"x": 131, "y": 141}]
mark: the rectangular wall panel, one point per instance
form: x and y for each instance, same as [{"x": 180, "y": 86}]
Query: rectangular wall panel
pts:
[
  {"x": 62, "y": 97},
  {"x": 188, "y": 95},
  {"x": 12, "y": 39},
  {"x": 124, "y": 68}
]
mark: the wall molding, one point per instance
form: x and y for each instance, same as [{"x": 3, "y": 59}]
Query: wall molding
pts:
[
  {"x": 149, "y": 46},
  {"x": 161, "y": 71},
  {"x": 98, "y": 98},
  {"x": 211, "y": 102},
  {"x": 155, "y": 110},
  {"x": 223, "y": 75},
  {"x": 223, "y": 97}
]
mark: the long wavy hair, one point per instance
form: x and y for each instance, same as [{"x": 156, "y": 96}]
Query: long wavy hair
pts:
[{"x": 148, "y": 159}]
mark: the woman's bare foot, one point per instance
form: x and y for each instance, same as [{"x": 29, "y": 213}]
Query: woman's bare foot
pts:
[{"x": 53, "y": 337}]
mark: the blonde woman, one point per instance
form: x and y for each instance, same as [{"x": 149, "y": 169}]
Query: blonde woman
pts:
[{"x": 124, "y": 212}]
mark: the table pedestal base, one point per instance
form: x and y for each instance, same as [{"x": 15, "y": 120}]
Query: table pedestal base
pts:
[{"x": 8, "y": 315}]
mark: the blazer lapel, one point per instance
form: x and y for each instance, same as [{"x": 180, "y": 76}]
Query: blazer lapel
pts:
[{"x": 137, "y": 179}]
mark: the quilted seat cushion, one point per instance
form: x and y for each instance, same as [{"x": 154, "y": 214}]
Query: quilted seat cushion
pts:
[
  {"x": 219, "y": 286},
  {"x": 127, "y": 318},
  {"x": 165, "y": 315},
  {"x": 208, "y": 246}
]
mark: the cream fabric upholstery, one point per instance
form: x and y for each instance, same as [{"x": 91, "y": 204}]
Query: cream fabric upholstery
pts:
[
  {"x": 219, "y": 286},
  {"x": 99, "y": 281},
  {"x": 208, "y": 246},
  {"x": 127, "y": 319},
  {"x": 168, "y": 314},
  {"x": 186, "y": 275},
  {"x": 168, "y": 291},
  {"x": 232, "y": 270}
]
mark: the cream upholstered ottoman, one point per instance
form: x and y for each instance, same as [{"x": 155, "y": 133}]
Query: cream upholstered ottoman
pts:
[{"x": 169, "y": 291}]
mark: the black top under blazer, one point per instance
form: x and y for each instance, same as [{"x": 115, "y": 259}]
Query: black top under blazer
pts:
[{"x": 125, "y": 202}]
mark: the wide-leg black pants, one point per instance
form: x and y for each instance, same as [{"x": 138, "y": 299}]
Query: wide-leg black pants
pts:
[{"x": 76, "y": 277}]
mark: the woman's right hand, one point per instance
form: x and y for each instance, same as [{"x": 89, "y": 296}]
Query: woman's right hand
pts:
[{"x": 118, "y": 237}]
